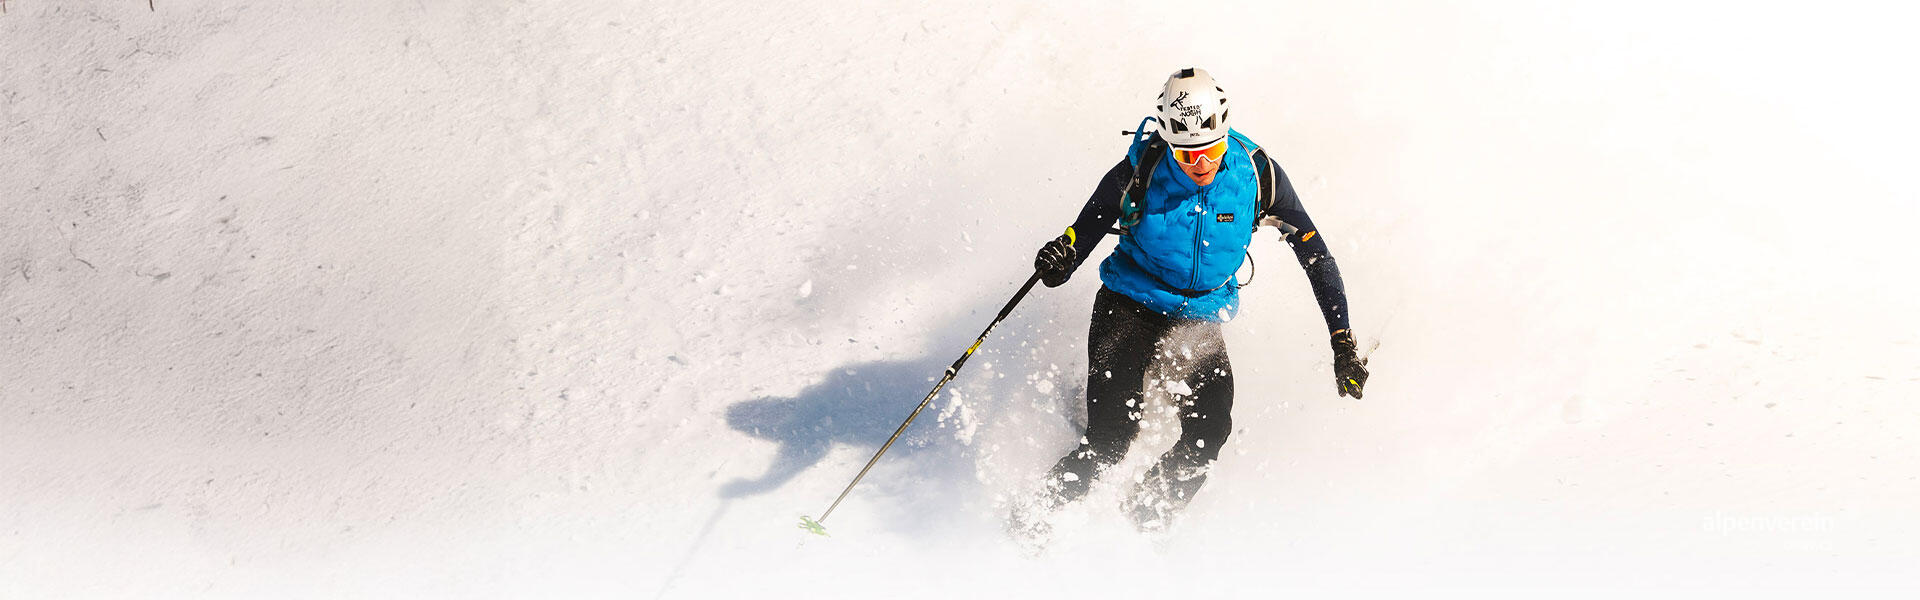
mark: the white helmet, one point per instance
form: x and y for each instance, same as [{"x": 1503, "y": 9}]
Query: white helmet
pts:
[{"x": 1193, "y": 109}]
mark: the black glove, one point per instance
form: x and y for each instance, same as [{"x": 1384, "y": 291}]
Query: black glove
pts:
[
  {"x": 1055, "y": 260},
  {"x": 1349, "y": 370}
]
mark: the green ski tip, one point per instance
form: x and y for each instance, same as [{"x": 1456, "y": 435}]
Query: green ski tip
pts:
[{"x": 813, "y": 526}]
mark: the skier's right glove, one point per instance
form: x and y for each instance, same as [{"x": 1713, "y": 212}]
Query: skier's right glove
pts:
[
  {"x": 1349, "y": 370},
  {"x": 1055, "y": 260}
]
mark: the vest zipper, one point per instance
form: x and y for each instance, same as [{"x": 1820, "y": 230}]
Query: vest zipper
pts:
[{"x": 1193, "y": 279}]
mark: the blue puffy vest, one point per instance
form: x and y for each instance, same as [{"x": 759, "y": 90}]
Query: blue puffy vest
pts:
[{"x": 1180, "y": 258}]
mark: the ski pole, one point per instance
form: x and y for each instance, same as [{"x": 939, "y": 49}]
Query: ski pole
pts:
[{"x": 815, "y": 526}]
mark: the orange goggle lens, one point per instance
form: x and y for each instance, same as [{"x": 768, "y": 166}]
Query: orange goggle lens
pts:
[{"x": 1192, "y": 156}]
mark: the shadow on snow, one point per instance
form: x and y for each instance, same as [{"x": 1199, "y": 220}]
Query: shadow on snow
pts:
[
  {"x": 857, "y": 405},
  {"x": 931, "y": 470}
]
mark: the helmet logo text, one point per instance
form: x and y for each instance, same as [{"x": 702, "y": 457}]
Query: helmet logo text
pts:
[{"x": 1186, "y": 110}]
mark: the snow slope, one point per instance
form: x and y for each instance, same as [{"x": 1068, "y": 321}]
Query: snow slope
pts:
[{"x": 594, "y": 299}]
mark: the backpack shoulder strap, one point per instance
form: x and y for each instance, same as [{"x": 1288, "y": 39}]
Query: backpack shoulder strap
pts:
[
  {"x": 1264, "y": 168},
  {"x": 1145, "y": 162}
]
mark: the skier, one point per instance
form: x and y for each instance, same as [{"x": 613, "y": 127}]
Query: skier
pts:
[{"x": 1188, "y": 204}]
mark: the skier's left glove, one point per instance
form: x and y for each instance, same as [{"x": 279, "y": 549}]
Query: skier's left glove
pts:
[{"x": 1349, "y": 370}]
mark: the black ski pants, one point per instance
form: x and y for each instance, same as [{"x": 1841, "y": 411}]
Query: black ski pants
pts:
[{"x": 1123, "y": 341}]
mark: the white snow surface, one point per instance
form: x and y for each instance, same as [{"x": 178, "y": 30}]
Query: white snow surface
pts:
[{"x": 424, "y": 299}]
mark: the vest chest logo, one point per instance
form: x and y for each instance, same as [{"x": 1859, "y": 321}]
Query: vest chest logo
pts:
[{"x": 1223, "y": 218}]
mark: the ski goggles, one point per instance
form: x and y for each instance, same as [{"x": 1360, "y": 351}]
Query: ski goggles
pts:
[{"x": 1191, "y": 156}]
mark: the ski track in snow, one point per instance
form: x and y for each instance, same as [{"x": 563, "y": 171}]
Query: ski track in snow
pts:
[{"x": 595, "y": 299}]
